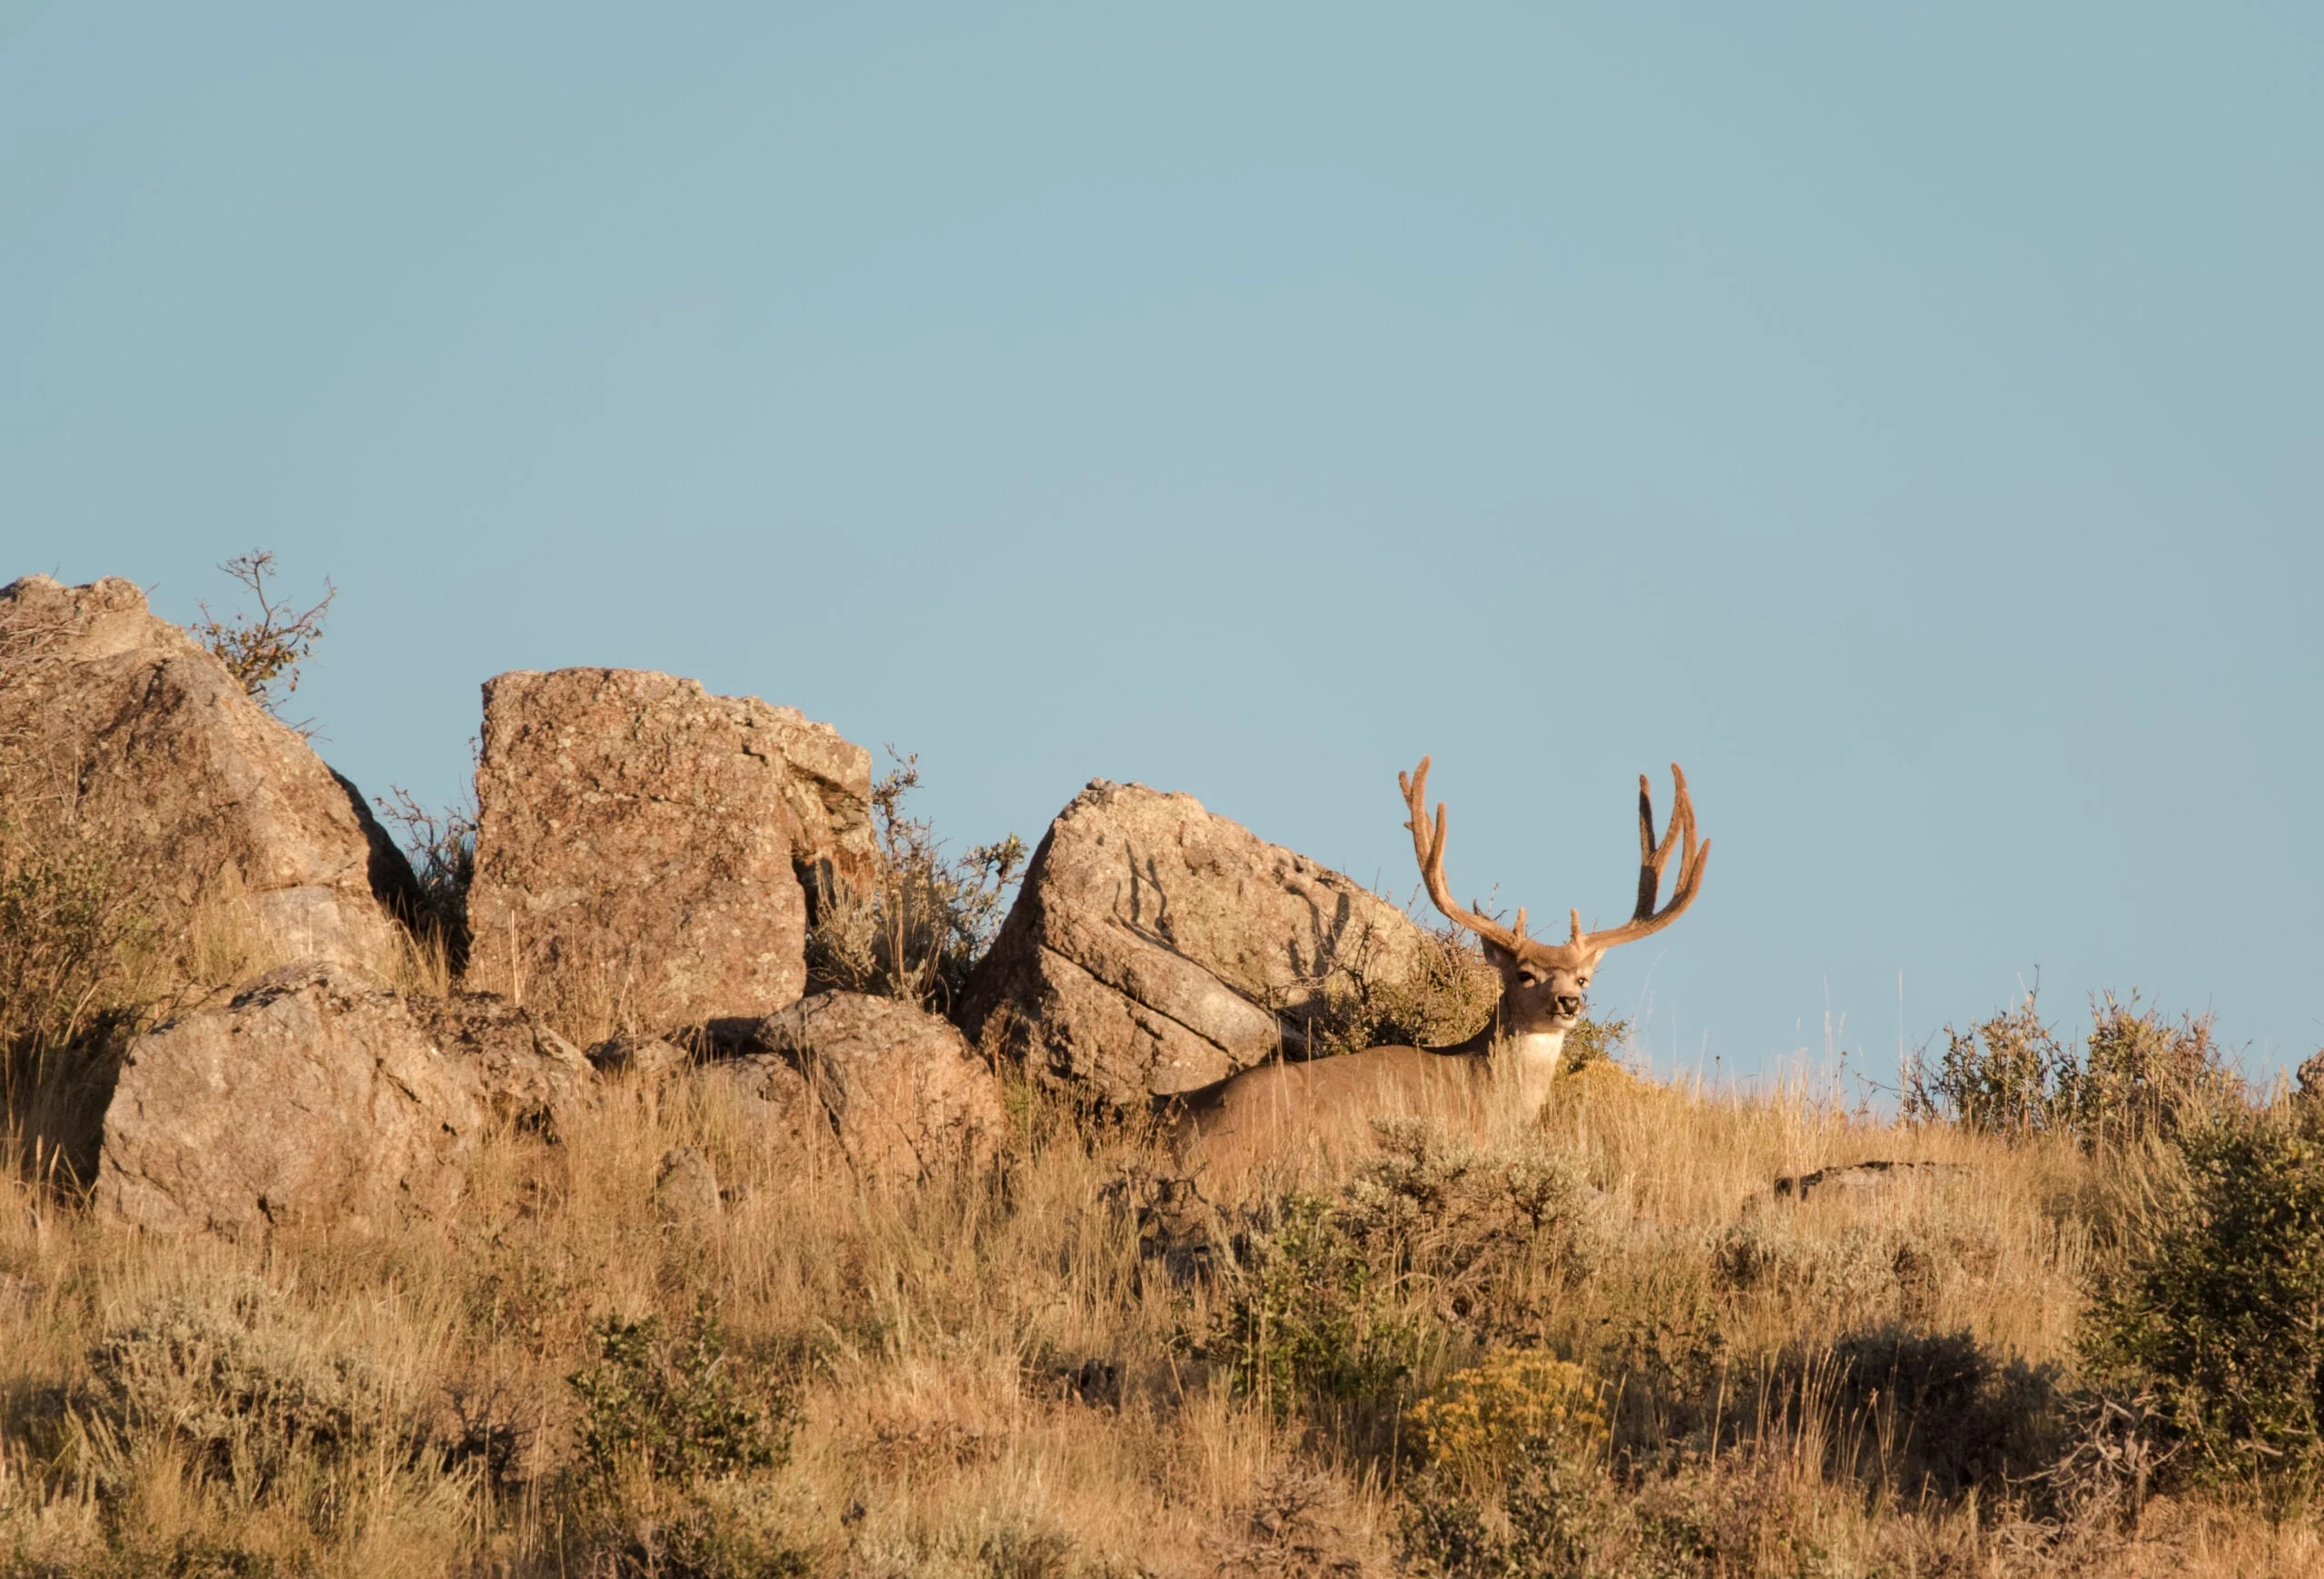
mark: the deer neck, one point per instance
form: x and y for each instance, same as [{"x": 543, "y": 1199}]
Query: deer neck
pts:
[{"x": 1527, "y": 1062}]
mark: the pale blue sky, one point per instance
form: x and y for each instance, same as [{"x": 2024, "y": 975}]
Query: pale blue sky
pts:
[{"x": 1908, "y": 421}]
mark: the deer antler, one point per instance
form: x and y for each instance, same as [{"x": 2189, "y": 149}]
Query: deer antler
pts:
[
  {"x": 1652, "y": 857},
  {"x": 1428, "y": 847}
]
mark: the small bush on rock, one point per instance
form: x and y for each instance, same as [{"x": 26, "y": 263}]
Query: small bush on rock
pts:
[
  {"x": 69, "y": 928},
  {"x": 442, "y": 849},
  {"x": 264, "y": 649}
]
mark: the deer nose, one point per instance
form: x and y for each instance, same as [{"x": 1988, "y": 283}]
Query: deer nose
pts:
[{"x": 1569, "y": 1005}]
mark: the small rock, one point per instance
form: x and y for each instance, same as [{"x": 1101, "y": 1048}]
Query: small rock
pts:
[
  {"x": 685, "y": 1189},
  {"x": 643, "y": 1057}
]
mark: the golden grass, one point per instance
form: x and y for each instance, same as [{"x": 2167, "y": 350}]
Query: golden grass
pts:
[{"x": 934, "y": 1334}]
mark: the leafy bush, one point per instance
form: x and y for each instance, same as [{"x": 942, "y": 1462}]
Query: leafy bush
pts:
[
  {"x": 1305, "y": 1318},
  {"x": 2000, "y": 1077},
  {"x": 674, "y": 1410},
  {"x": 1594, "y": 1041},
  {"x": 1491, "y": 1236},
  {"x": 924, "y": 923},
  {"x": 1513, "y": 1402},
  {"x": 264, "y": 649},
  {"x": 2139, "y": 1077},
  {"x": 2217, "y": 1310},
  {"x": 2135, "y": 1077}
]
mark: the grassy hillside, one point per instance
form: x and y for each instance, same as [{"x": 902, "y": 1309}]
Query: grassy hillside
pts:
[
  {"x": 2086, "y": 1338},
  {"x": 1064, "y": 1369}
]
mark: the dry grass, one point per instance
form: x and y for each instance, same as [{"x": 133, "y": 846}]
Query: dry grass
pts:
[{"x": 942, "y": 1341}]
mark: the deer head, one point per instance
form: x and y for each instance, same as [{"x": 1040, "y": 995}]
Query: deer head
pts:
[{"x": 1545, "y": 985}]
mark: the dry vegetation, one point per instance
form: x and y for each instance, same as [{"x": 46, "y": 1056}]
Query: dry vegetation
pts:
[
  {"x": 2086, "y": 1340},
  {"x": 1611, "y": 1350}
]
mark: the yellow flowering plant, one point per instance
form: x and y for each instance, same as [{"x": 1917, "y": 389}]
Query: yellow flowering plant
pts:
[{"x": 1515, "y": 1403}]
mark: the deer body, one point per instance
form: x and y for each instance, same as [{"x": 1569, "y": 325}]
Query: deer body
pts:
[{"x": 1283, "y": 1114}]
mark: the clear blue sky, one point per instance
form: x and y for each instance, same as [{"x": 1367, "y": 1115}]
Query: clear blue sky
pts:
[{"x": 1909, "y": 420}]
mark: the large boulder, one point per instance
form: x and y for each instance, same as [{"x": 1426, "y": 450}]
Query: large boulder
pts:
[
  {"x": 119, "y": 727},
  {"x": 312, "y": 1097},
  {"x": 901, "y": 1089},
  {"x": 1156, "y": 948},
  {"x": 642, "y": 846}
]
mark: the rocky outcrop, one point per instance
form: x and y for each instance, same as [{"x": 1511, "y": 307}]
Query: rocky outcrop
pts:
[
  {"x": 901, "y": 1089},
  {"x": 525, "y": 1071},
  {"x": 641, "y": 847},
  {"x": 116, "y": 725},
  {"x": 313, "y": 1097},
  {"x": 1156, "y": 948}
]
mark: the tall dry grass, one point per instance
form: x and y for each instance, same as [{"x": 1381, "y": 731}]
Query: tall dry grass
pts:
[{"x": 1003, "y": 1373}]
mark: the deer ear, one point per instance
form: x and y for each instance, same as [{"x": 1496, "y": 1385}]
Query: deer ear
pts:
[{"x": 1504, "y": 959}]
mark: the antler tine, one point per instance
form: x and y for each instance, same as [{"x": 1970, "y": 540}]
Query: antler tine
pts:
[
  {"x": 1653, "y": 856},
  {"x": 1430, "y": 851}
]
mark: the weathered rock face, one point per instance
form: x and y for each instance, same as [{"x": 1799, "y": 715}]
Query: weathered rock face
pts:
[
  {"x": 120, "y": 725},
  {"x": 312, "y": 1097},
  {"x": 900, "y": 1089},
  {"x": 641, "y": 846},
  {"x": 523, "y": 1070},
  {"x": 309, "y": 1098},
  {"x": 1156, "y": 948}
]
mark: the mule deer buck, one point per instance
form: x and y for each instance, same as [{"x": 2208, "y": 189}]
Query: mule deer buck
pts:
[{"x": 1499, "y": 1078}]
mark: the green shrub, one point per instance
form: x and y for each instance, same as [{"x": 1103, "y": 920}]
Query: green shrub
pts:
[
  {"x": 2139, "y": 1077},
  {"x": 677, "y": 1410},
  {"x": 2217, "y": 1308},
  {"x": 1999, "y": 1077},
  {"x": 1305, "y": 1320},
  {"x": 2136, "y": 1076},
  {"x": 1594, "y": 1042}
]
